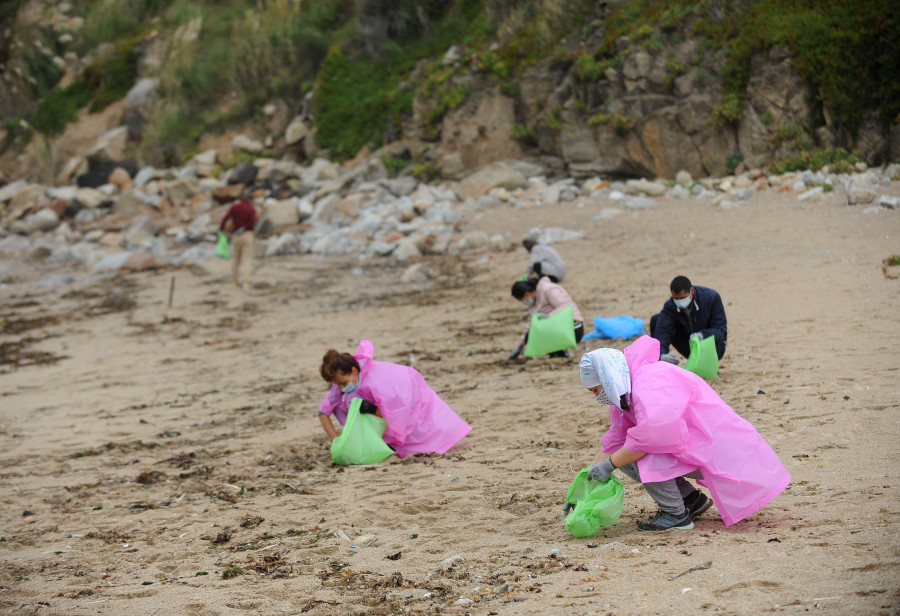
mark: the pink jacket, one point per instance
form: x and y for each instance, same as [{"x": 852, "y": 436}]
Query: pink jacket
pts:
[
  {"x": 550, "y": 298},
  {"x": 418, "y": 421},
  {"x": 682, "y": 424}
]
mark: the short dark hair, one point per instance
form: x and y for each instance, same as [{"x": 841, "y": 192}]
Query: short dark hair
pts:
[
  {"x": 529, "y": 244},
  {"x": 521, "y": 287},
  {"x": 679, "y": 284},
  {"x": 334, "y": 363}
]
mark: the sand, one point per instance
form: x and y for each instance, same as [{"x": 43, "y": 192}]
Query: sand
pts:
[{"x": 162, "y": 459}]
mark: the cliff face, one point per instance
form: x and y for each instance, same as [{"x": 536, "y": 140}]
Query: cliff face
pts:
[{"x": 595, "y": 102}]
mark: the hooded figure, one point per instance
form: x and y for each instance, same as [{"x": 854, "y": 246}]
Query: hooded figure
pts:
[
  {"x": 676, "y": 425},
  {"x": 418, "y": 421}
]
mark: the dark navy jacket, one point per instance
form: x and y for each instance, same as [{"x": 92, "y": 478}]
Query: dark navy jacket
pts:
[{"x": 707, "y": 316}]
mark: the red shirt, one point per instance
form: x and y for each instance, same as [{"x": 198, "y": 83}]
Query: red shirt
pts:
[{"x": 243, "y": 214}]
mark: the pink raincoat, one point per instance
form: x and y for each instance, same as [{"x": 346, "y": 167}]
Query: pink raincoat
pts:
[
  {"x": 682, "y": 424},
  {"x": 418, "y": 421}
]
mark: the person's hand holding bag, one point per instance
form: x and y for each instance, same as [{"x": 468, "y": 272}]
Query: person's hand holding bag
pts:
[{"x": 602, "y": 471}]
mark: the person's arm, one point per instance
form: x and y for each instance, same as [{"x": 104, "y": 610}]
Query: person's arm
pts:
[
  {"x": 665, "y": 329},
  {"x": 328, "y": 425},
  {"x": 621, "y": 457},
  {"x": 717, "y": 324}
]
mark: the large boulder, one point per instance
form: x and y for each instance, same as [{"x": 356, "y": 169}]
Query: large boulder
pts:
[
  {"x": 500, "y": 174},
  {"x": 110, "y": 146},
  {"x": 285, "y": 212},
  {"x": 179, "y": 191}
]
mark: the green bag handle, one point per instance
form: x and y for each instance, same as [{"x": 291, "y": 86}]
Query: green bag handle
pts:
[
  {"x": 704, "y": 360},
  {"x": 554, "y": 333},
  {"x": 222, "y": 247},
  {"x": 597, "y": 504},
  {"x": 360, "y": 441}
]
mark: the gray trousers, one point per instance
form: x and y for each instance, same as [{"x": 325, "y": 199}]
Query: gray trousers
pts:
[{"x": 669, "y": 495}]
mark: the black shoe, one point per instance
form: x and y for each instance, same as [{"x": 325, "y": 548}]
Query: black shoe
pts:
[
  {"x": 697, "y": 504},
  {"x": 665, "y": 521}
]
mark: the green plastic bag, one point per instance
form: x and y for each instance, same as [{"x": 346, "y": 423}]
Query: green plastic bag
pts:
[
  {"x": 704, "y": 360},
  {"x": 360, "y": 441},
  {"x": 222, "y": 247},
  {"x": 597, "y": 504},
  {"x": 551, "y": 334}
]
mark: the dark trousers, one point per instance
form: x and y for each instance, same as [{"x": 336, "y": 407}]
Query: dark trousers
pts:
[{"x": 681, "y": 340}]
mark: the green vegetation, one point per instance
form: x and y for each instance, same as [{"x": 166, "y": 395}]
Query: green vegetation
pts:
[
  {"x": 731, "y": 163},
  {"x": 730, "y": 111},
  {"x": 621, "y": 124},
  {"x": 523, "y": 134},
  {"x": 838, "y": 159}
]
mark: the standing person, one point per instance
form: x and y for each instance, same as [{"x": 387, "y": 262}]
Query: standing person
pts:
[
  {"x": 418, "y": 421},
  {"x": 667, "y": 424},
  {"x": 544, "y": 261},
  {"x": 690, "y": 312},
  {"x": 542, "y": 296},
  {"x": 240, "y": 220}
]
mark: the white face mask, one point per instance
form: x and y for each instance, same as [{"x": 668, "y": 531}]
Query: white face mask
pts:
[
  {"x": 602, "y": 398},
  {"x": 683, "y": 303},
  {"x": 349, "y": 387},
  {"x": 529, "y": 302}
]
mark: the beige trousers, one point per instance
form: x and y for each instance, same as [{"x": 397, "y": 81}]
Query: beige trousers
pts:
[{"x": 242, "y": 249}]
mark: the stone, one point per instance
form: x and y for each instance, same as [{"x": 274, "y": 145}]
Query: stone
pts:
[
  {"x": 128, "y": 204},
  {"x": 245, "y": 174},
  {"x": 606, "y": 214},
  {"x": 56, "y": 280},
  {"x": 406, "y": 249},
  {"x": 139, "y": 262},
  {"x": 500, "y": 174},
  {"x": 556, "y": 235},
  {"x": 636, "y": 187},
  {"x": 473, "y": 240},
  {"x": 13, "y": 245},
  {"x": 110, "y": 146},
  {"x": 453, "y": 55},
  {"x": 727, "y": 204},
  {"x": 145, "y": 175},
  {"x": 31, "y": 196},
  {"x": 284, "y": 244},
  {"x": 75, "y": 166},
  {"x": 401, "y": 186},
  {"x": 678, "y": 192},
  {"x": 179, "y": 191},
  {"x": 201, "y": 225},
  {"x": 812, "y": 193},
  {"x": 42, "y": 220},
  {"x": 872, "y": 210},
  {"x": 858, "y": 194},
  {"x": 416, "y": 273},
  {"x": 229, "y": 193},
  {"x": 243, "y": 143},
  {"x": 283, "y": 212},
  {"x": 208, "y": 157},
  {"x": 639, "y": 203},
  {"x": 295, "y": 131},
  {"x": 889, "y": 201},
  {"x": 141, "y": 93},
  {"x": 683, "y": 177},
  {"x": 142, "y": 231},
  {"x": 111, "y": 262}
]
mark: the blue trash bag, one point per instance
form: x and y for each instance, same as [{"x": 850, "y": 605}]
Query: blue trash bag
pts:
[{"x": 622, "y": 326}]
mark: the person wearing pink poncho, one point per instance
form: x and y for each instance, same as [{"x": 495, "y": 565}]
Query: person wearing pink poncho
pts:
[
  {"x": 668, "y": 424},
  {"x": 418, "y": 421}
]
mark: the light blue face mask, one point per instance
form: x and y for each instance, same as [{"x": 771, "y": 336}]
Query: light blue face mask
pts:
[
  {"x": 683, "y": 303},
  {"x": 349, "y": 387},
  {"x": 529, "y": 302}
]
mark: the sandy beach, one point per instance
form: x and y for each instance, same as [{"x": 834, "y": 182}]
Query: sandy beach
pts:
[{"x": 168, "y": 459}]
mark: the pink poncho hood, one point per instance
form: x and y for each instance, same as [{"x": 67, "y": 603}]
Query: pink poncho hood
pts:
[
  {"x": 682, "y": 424},
  {"x": 418, "y": 421}
]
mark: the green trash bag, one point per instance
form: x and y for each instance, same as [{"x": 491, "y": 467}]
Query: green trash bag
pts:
[
  {"x": 222, "y": 247},
  {"x": 704, "y": 361},
  {"x": 551, "y": 334},
  {"x": 597, "y": 504},
  {"x": 360, "y": 441}
]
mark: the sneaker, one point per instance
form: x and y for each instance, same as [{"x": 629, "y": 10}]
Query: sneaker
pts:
[
  {"x": 665, "y": 521},
  {"x": 697, "y": 504},
  {"x": 245, "y": 286}
]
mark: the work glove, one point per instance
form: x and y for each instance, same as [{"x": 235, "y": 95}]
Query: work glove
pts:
[
  {"x": 516, "y": 351},
  {"x": 698, "y": 335},
  {"x": 669, "y": 357},
  {"x": 601, "y": 472},
  {"x": 541, "y": 315},
  {"x": 368, "y": 407},
  {"x": 567, "y": 508}
]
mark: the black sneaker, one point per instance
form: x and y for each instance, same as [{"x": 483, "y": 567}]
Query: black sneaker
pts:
[
  {"x": 697, "y": 504},
  {"x": 665, "y": 521}
]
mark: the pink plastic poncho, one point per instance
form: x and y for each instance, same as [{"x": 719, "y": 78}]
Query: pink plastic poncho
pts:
[
  {"x": 682, "y": 424},
  {"x": 418, "y": 421}
]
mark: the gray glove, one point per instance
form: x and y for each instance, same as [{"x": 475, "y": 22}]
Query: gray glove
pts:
[
  {"x": 669, "y": 357},
  {"x": 698, "y": 335},
  {"x": 567, "y": 508},
  {"x": 541, "y": 315},
  {"x": 516, "y": 351},
  {"x": 601, "y": 472}
]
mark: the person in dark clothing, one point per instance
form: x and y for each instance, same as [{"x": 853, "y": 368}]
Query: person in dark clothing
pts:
[
  {"x": 240, "y": 221},
  {"x": 690, "y": 312}
]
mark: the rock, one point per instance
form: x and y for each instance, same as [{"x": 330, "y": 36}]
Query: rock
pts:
[
  {"x": 683, "y": 177},
  {"x": 406, "y": 249},
  {"x": 33, "y": 195},
  {"x": 283, "y": 212},
  {"x": 141, "y": 232},
  {"x": 208, "y": 157},
  {"x": 243, "y": 143},
  {"x": 401, "y": 186},
  {"x": 889, "y": 201},
  {"x": 495, "y": 175},
  {"x": 56, "y": 280},
  {"x": 450, "y": 166},
  {"x": 110, "y": 147},
  {"x": 90, "y": 198},
  {"x": 284, "y": 244},
  {"x": 98, "y": 173},
  {"x": 111, "y": 262},
  {"x": 859, "y": 193},
  {"x": 245, "y": 174},
  {"x": 812, "y": 193},
  {"x": 639, "y": 203},
  {"x": 872, "y": 210},
  {"x": 295, "y": 131},
  {"x": 141, "y": 93},
  {"x": 453, "y": 560},
  {"x": 75, "y": 166},
  {"x": 13, "y": 245},
  {"x": 280, "y": 171},
  {"x": 145, "y": 175},
  {"x": 744, "y": 194},
  {"x": 417, "y": 273},
  {"x": 201, "y": 225},
  {"x": 453, "y": 55},
  {"x": 42, "y": 220},
  {"x": 726, "y": 204},
  {"x": 636, "y": 187},
  {"x": 606, "y": 214},
  {"x": 139, "y": 262},
  {"x": 129, "y": 204},
  {"x": 556, "y": 235},
  {"x": 473, "y": 240},
  {"x": 111, "y": 239},
  {"x": 679, "y": 192},
  {"x": 179, "y": 191},
  {"x": 227, "y": 194}
]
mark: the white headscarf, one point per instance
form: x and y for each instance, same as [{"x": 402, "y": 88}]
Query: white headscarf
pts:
[{"x": 606, "y": 367}]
